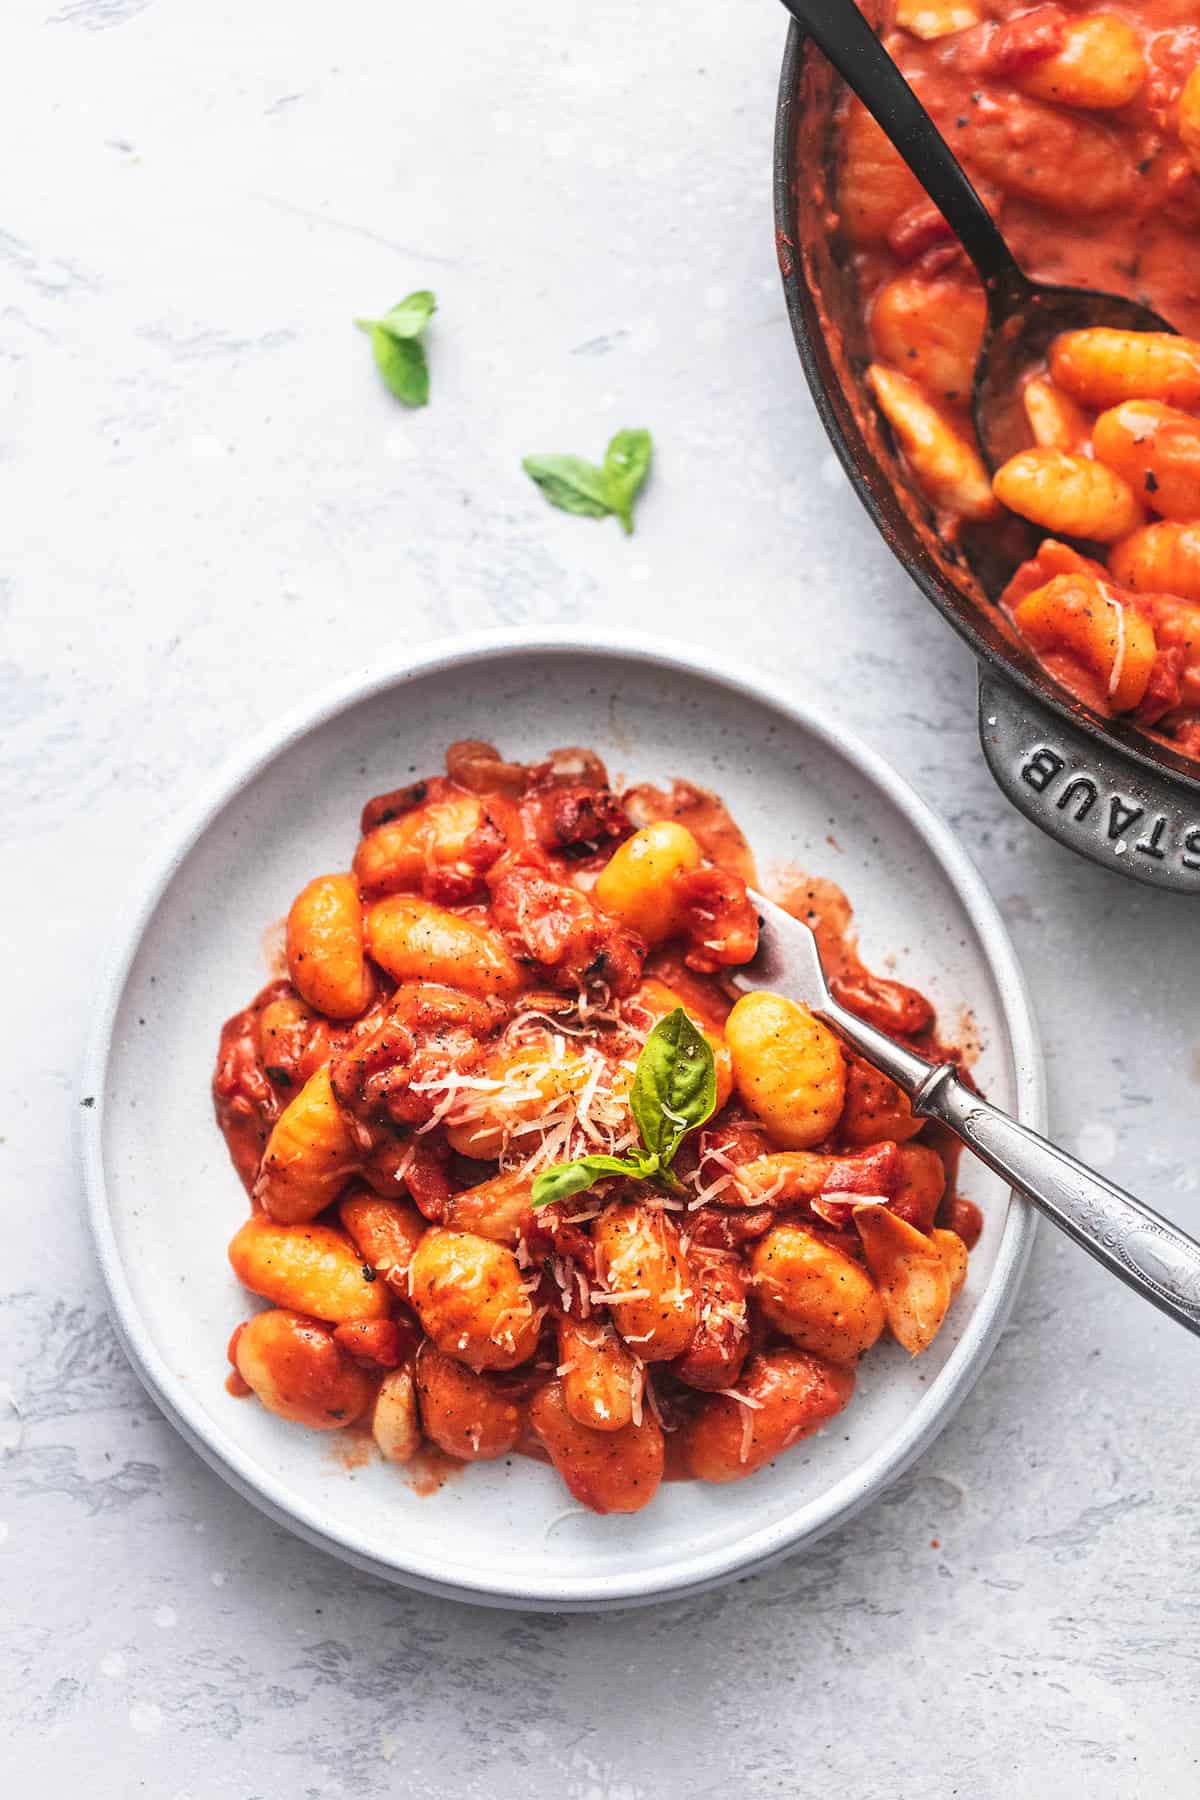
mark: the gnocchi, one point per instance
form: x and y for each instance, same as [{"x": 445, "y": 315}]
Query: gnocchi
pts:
[
  {"x": 296, "y": 1370},
  {"x": 639, "y": 884},
  {"x": 498, "y": 1212},
  {"x": 395, "y": 1418},
  {"x": 1056, "y": 421},
  {"x": 608, "y": 1471},
  {"x": 788, "y": 1068},
  {"x": 1156, "y": 449},
  {"x": 399, "y": 854},
  {"x": 912, "y": 1274},
  {"x": 1187, "y": 117},
  {"x": 932, "y": 19},
  {"x": 471, "y": 1300},
  {"x": 601, "y": 1382},
  {"x": 325, "y": 953},
  {"x": 1100, "y": 367},
  {"x": 309, "y": 1157},
  {"x": 816, "y": 1295},
  {"x": 946, "y": 464},
  {"x": 414, "y": 940},
  {"x": 1099, "y": 65},
  {"x": 385, "y": 1234},
  {"x": 516, "y": 1087},
  {"x": 1068, "y": 493},
  {"x": 782, "y": 1397},
  {"x": 640, "y": 1261},
  {"x": 1091, "y": 619},
  {"x": 931, "y": 326},
  {"x": 1159, "y": 559},
  {"x": 307, "y": 1268},
  {"x": 876, "y": 184},
  {"x": 463, "y": 1412}
]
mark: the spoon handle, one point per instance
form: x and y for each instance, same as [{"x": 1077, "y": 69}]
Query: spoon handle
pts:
[
  {"x": 839, "y": 29},
  {"x": 1146, "y": 1251}
]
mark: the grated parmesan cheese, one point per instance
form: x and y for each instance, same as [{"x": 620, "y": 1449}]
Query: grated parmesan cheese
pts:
[
  {"x": 1118, "y": 668},
  {"x": 705, "y": 1194},
  {"x": 652, "y": 1398},
  {"x": 751, "y": 1406},
  {"x": 439, "y": 1112}
]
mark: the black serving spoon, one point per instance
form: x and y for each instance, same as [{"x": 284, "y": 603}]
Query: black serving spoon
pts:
[{"x": 1023, "y": 316}]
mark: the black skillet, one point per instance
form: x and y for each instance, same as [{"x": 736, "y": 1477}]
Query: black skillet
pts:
[{"x": 1097, "y": 785}]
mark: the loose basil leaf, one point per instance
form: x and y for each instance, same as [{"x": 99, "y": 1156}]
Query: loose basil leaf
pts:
[
  {"x": 565, "y": 1179},
  {"x": 409, "y": 317},
  {"x": 577, "y": 486},
  {"x": 626, "y": 465},
  {"x": 675, "y": 1086},
  {"x": 401, "y": 362},
  {"x": 400, "y": 358},
  {"x": 571, "y": 484}
]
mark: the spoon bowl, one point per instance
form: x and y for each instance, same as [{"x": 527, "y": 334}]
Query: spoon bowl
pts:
[{"x": 1024, "y": 318}]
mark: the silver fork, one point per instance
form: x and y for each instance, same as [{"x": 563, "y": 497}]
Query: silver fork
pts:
[{"x": 1148, "y": 1252}]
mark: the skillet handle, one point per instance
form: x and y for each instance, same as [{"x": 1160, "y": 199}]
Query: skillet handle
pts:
[{"x": 1087, "y": 795}]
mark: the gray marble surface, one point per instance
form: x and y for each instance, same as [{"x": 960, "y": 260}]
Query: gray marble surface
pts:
[{"x": 211, "y": 505}]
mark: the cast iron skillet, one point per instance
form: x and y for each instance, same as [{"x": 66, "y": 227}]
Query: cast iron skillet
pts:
[{"x": 1095, "y": 784}]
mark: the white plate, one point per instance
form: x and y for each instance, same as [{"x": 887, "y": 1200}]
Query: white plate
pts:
[{"x": 164, "y": 1198}]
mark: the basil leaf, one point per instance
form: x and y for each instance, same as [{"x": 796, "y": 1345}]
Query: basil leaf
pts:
[
  {"x": 674, "y": 1090},
  {"x": 401, "y": 362},
  {"x": 571, "y": 484},
  {"x": 675, "y": 1086},
  {"x": 399, "y": 357},
  {"x": 577, "y": 486},
  {"x": 626, "y": 465},
  {"x": 565, "y": 1179},
  {"x": 409, "y": 317}
]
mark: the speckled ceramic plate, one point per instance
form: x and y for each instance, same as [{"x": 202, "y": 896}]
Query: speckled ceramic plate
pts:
[{"x": 164, "y": 1199}]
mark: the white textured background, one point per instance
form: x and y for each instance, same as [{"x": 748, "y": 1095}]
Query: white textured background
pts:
[{"x": 210, "y": 506}]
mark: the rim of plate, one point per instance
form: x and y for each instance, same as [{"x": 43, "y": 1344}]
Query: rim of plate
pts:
[{"x": 811, "y": 1519}]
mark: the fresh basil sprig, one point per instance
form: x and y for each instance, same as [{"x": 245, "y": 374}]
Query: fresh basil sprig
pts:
[
  {"x": 674, "y": 1091},
  {"x": 399, "y": 353},
  {"x": 594, "y": 490}
]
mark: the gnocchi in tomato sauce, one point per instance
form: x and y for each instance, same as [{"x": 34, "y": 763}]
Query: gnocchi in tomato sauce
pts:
[
  {"x": 464, "y": 1007},
  {"x": 1079, "y": 123}
]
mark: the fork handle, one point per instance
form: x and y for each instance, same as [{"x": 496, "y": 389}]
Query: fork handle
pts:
[{"x": 1148, "y": 1252}]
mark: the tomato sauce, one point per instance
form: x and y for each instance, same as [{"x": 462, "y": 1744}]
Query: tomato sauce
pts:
[
  {"x": 1044, "y": 168},
  {"x": 1069, "y": 120},
  {"x": 426, "y": 1296}
]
